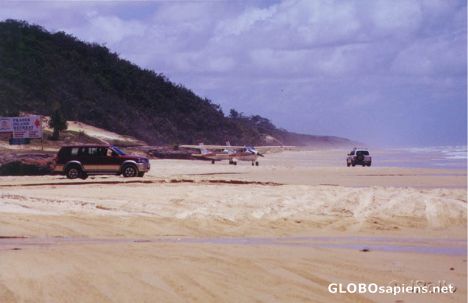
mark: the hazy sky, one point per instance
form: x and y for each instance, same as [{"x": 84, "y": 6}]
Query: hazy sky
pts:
[{"x": 383, "y": 72}]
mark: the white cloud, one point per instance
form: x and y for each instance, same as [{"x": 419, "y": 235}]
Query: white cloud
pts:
[
  {"x": 245, "y": 21},
  {"x": 401, "y": 17},
  {"x": 435, "y": 56},
  {"x": 107, "y": 29}
]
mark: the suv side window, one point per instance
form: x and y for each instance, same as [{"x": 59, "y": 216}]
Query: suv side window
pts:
[
  {"x": 92, "y": 151},
  {"x": 64, "y": 152},
  {"x": 74, "y": 151},
  {"x": 83, "y": 151},
  {"x": 102, "y": 151}
]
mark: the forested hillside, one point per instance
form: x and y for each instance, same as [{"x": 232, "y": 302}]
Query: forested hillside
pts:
[{"x": 41, "y": 72}]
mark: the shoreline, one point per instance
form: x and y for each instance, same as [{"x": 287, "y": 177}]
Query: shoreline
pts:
[{"x": 435, "y": 246}]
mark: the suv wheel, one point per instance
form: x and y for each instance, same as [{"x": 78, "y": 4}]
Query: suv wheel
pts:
[
  {"x": 348, "y": 164},
  {"x": 73, "y": 172},
  {"x": 129, "y": 171}
]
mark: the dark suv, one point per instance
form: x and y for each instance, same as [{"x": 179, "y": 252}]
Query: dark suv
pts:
[
  {"x": 82, "y": 160},
  {"x": 359, "y": 156}
]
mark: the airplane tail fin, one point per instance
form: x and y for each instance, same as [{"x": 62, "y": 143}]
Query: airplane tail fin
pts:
[
  {"x": 227, "y": 150},
  {"x": 203, "y": 150}
]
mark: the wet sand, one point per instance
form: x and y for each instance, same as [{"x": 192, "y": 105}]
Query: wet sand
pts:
[{"x": 190, "y": 231}]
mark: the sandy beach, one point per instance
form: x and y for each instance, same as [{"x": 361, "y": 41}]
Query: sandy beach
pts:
[{"x": 190, "y": 231}]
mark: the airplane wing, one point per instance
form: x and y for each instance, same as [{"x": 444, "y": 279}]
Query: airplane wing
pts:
[
  {"x": 208, "y": 146},
  {"x": 264, "y": 148},
  {"x": 273, "y": 148}
]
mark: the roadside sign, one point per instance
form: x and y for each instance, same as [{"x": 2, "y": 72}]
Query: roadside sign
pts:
[{"x": 27, "y": 127}]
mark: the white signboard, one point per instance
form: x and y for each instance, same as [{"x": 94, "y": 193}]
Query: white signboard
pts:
[
  {"x": 6, "y": 125},
  {"x": 27, "y": 127}
]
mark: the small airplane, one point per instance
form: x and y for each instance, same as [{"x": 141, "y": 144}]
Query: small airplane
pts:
[
  {"x": 231, "y": 153},
  {"x": 246, "y": 153},
  {"x": 205, "y": 154}
]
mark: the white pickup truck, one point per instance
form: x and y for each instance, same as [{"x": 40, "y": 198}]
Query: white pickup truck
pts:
[{"x": 359, "y": 156}]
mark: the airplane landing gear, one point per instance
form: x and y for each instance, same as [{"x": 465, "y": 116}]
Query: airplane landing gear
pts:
[
  {"x": 256, "y": 163},
  {"x": 231, "y": 162},
  {"x": 212, "y": 161}
]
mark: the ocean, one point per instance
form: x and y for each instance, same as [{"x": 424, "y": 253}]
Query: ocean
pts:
[{"x": 430, "y": 157}]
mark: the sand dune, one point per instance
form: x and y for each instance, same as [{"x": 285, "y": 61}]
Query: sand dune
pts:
[{"x": 244, "y": 206}]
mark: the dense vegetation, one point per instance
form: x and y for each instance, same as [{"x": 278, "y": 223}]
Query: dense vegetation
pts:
[{"x": 41, "y": 72}]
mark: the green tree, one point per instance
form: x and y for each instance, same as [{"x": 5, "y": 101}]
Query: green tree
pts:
[
  {"x": 58, "y": 123},
  {"x": 234, "y": 114}
]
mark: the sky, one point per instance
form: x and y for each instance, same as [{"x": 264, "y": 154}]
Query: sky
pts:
[{"x": 383, "y": 72}]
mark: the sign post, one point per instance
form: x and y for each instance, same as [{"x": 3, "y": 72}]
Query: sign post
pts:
[{"x": 42, "y": 136}]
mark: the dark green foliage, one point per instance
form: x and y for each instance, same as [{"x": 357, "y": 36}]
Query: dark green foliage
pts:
[
  {"x": 95, "y": 86},
  {"x": 233, "y": 114},
  {"x": 58, "y": 123}
]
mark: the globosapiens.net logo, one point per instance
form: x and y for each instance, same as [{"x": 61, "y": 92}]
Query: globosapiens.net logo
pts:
[{"x": 394, "y": 287}]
